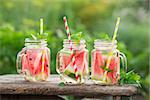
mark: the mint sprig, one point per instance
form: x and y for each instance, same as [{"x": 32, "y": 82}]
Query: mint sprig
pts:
[
  {"x": 40, "y": 35},
  {"x": 76, "y": 37},
  {"x": 129, "y": 78},
  {"x": 105, "y": 68},
  {"x": 104, "y": 36}
]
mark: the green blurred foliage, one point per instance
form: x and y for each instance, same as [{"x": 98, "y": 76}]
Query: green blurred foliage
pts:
[{"x": 20, "y": 18}]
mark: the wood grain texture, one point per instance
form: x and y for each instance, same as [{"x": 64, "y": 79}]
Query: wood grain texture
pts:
[{"x": 15, "y": 84}]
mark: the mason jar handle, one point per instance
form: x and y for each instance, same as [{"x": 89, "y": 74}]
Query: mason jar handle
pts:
[
  {"x": 123, "y": 59},
  {"x": 57, "y": 63},
  {"x": 19, "y": 61}
]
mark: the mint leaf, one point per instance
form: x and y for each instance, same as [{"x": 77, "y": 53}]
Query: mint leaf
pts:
[
  {"x": 104, "y": 36},
  {"x": 34, "y": 37},
  {"x": 42, "y": 36},
  {"x": 39, "y": 36},
  {"x": 106, "y": 69},
  {"x": 129, "y": 78},
  {"x": 61, "y": 84},
  {"x": 76, "y": 37},
  {"x": 72, "y": 75}
]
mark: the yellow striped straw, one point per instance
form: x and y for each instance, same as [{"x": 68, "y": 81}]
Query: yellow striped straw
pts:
[
  {"x": 43, "y": 62},
  {"x": 41, "y": 26},
  {"x": 111, "y": 52}
]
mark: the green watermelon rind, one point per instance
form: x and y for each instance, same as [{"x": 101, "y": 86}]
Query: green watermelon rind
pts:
[
  {"x": 67, "y": 70},
  {"x": 68, "y": 79},
  {"x": 71, "y": 74}
]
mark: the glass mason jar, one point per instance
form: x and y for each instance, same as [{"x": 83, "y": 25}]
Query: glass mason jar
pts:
[
  {"x": 101, "y": 71},
  {"x": 72, "y": 62},
  {"x": 33, "y": 61}
]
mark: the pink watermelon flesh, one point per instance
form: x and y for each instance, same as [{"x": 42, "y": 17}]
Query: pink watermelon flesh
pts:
[
  {"x": 97, "y": 63},
  {"x": 24, "y": 63},
  {"x": 114, "y": 67},
  {"x": 85, "y": 66},
  {"x": 28, "y": 63},
  {"x": 39, "y": 67},
  {"x": 79, "y": 60},
  {"x": 31, "y": 56},
  {"x": 100, "y": 61},
  {"x": 46, "y": 66},
  {"x": 66, "y": 61}
]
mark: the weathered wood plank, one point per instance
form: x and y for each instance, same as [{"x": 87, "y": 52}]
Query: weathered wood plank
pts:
[
  {"x": 15, "y": 84},
  {"x": 29, "y": 97},
  {"x": 116, "y": 98}
]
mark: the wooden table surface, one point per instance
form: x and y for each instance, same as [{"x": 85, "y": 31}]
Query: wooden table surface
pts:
[{"x": 15, "y": 84}]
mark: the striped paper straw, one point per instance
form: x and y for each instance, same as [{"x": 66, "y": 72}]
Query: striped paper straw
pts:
[
  {"x": 67, "y": 28},
  {"x": 75, "y": 70},
  {"x": 111, "y": 52},
  {"x": 69, "y": 39},
  {"x": 68, "y": 32}
]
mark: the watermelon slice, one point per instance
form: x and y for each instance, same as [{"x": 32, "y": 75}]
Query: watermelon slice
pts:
[
  {"x": 46, "y": 65},
  {"x": 39, "y": 67},
  {"x": 97, "y": 62},
  {"x": 114, "y": 65},
  {"x": 24, "y": 63},
  {"x": 79, "y": 61},
  {"x": 32, "y": 62},
  {"x": 65, "y": 60},
  {"x": 69, "y": 60},
  {"x": 86, "y": 66},
  {"x": 31, "y": 56},
  {"x": 99, "y": 67},
  {"x": 39, "y": 74}
]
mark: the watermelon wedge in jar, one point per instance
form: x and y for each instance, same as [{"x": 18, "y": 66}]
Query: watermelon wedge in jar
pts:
[
  {"x": 81, "y": 61},
  {"x": 99, "y": 60},
  {"x": 68, "y": 60},
  {"x": 97, "y": 63},
  {"x": 34, "y": 60},
  {"x": 114, "y": 68}
]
